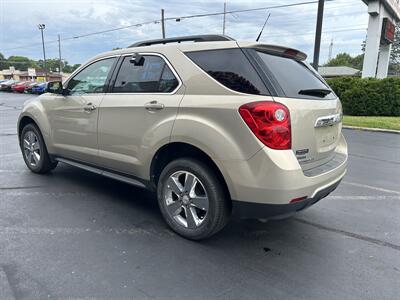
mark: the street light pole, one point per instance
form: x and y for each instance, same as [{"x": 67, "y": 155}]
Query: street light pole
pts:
[
  {"x": 162, "y": 23},
  {"x": 224, "y": 22},
  {"x": 318, "y": 32},
  {"x": 41, "y": 28},
  {"x": 59, "y": 53}
]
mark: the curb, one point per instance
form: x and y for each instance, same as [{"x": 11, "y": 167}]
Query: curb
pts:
[{"x": 372, "y": 129}]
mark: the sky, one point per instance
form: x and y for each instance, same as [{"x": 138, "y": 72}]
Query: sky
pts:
[{"x": 345, "y": 22}]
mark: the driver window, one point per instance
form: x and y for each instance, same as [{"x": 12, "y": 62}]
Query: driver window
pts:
[{"x": 91, "y": 79}]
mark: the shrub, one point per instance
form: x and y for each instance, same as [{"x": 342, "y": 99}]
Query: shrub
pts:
[{"x": 368, "y": 97}]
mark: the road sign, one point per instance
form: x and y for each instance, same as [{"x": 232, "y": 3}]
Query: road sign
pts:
[{"x": 32, "y": 72}]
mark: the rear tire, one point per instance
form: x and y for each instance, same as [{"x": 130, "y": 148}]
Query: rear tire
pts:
[
  {"x": 34, "y": 150},
  {"x": 192, "y": 199}
]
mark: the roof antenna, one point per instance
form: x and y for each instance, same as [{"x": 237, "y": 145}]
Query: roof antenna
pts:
[{"x": 262, "y": 29}]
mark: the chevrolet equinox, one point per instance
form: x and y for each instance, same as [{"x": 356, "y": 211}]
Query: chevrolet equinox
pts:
[{"x": 214, "y": 126}]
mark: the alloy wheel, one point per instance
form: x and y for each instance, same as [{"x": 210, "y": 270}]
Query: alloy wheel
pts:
[
  {"x": 186, "y": 199},
  {"x": 32, "y": 148}
]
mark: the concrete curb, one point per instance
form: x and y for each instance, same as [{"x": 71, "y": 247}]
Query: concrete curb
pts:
[{"x": 372, "y": 129}]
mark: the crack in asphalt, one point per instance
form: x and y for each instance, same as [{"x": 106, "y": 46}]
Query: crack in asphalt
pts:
[
  {"x": 350, "y": 234},
  {"x": 21, "y": 187},
  {"x": 10, "y": 106},
  {"x": 7, "y": 290},
  {"x": 377, "y": 159}
]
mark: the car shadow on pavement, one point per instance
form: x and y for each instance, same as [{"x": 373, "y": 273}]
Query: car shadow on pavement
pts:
[{"x": 133, "y": 203}]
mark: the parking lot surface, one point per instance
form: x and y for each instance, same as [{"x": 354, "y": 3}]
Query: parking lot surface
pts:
[{"x": 73, "y": 234}]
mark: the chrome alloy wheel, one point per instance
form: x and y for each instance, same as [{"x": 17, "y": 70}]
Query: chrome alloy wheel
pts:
[
  {"x": 32, "y": 149},
  {"x": 186, "y": 199}
]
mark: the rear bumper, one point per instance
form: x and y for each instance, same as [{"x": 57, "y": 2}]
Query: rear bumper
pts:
[
  {"x": 275, "y": 177},
  {"x": 243, "y": 209}
]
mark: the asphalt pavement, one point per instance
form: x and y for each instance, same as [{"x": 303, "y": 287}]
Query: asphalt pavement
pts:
[{"x": 73, "y": 234}]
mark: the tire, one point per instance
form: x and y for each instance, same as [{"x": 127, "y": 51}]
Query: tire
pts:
[
  {"x": 34, "y": 150},
  {"x": 195, "y": 211}
]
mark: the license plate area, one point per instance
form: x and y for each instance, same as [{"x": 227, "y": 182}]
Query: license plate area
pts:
[{"x": 327, "y": 136}]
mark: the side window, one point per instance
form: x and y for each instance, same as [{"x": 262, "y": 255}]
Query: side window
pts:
[
  {"x": 91, "y": 79},
  {"x": 154, "y": 76},
  {"x": 231, "y": 68}
]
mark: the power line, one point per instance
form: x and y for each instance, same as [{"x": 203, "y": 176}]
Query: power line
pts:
[
  {"x": 171, "y": 18},
  {"x": 245, "y": 10}
]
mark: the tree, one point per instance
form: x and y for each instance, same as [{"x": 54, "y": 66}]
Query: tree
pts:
[
  {"x": 21, "y": 62},
  {"x": 67, "y": 68},
  {"x": 345, "y": 59},
  {"x": 395, "y": 54},
  {"x": 3, "y": 62}
]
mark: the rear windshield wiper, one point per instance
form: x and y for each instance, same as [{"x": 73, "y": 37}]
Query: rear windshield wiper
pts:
[{"x": 316, "y": 92}]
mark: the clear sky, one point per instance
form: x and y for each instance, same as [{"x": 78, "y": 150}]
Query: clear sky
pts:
[{"x": 345, "y": 22}]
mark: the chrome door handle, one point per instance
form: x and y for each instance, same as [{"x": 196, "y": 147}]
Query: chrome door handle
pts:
[
  {"x": 153, "y": 105},
  {"x": 90, "y": 107}
]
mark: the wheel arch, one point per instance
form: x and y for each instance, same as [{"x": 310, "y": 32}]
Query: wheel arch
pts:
[
  {"x": 25, "y": 120},
  {"x": 175, "y": 150}
]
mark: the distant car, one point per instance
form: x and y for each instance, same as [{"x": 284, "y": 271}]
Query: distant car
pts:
[
  {"x": 39, "y": 88},
  {"x": 3, "y": 80},
  {"x": 6, "y": 86},
  {"x": 28, "y": 88},
  {"x": 20, "y": 87}
]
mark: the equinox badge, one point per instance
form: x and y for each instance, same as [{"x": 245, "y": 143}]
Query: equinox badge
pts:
[{"x": 328, "y": 120}]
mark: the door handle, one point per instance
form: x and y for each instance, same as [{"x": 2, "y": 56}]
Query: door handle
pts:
[
  {"x": 153, "y": 106},
  {"x": 90, "y": 107}
]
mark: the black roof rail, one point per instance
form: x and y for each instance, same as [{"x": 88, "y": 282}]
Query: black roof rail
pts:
[{"x": 193, "y": 38}]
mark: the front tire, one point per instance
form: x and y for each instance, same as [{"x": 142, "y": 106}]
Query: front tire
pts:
[
  {"x": 192, "y": 199},
  {"x": 34, "y": 150}
]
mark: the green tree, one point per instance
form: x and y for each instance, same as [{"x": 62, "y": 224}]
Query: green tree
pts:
[
  {"x": 3, "y": 62},
  {"x": 21, "y": 62},
  {"x": 68, "y": 68},
  {"x": 395, "y": 54},
  {"x": 345, "y": 59}
]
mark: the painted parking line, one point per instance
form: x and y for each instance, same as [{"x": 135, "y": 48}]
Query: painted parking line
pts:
[{"x": 371, "y": 187}]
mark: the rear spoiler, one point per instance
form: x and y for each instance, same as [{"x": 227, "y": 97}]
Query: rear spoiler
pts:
[{"x": 273, "y": 49}]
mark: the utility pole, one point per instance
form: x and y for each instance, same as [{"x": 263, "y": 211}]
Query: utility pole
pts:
[
  {"x": 223, "y": 26},
  {"x": 318, "y": 32},
  {"x": 59, "y": 53},
  {"x": 41, "y": 28},
  {"x": 162, "y": 23},
  {"x": 330, "y": 50}
]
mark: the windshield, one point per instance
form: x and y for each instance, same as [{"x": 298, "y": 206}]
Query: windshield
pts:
[{"x": 296, "y": 78}]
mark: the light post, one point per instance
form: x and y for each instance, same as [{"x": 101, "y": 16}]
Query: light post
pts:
[{"x": 41, "y": 28}]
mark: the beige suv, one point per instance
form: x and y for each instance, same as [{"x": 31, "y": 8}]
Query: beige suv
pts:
[{"x": 214, "y": 126}]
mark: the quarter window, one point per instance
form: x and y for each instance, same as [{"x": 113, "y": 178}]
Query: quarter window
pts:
[
  {"x": 231, "y": 68},
  {"x": 91, "y": 79},
  {"x": 154, "y": 76}
]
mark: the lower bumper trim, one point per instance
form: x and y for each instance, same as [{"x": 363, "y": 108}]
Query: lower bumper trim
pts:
[{"x": 252, "y": 210}]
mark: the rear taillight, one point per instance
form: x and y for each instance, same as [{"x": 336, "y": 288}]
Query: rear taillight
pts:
[{"x": 270, "y": 122}]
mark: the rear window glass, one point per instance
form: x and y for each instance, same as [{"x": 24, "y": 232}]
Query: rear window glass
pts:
[
  {"x": 231, "y": 68},
  {"x": 294, "y": 76}
]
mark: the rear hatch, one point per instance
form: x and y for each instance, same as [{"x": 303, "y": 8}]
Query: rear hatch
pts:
[
  {"x": 281, "y": 74},
  {"x": 315, "y": 110}
]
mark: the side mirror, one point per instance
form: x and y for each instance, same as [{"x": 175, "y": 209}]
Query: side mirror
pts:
[
  {"x": 54, "y": 87},
  {"x": 137, "y": 59}
]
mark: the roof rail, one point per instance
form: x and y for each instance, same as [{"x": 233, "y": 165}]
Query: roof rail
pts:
[{"x": 193, "y": 38}]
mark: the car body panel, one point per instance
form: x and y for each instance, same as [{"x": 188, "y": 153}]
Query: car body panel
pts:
[
  {"x": 121, "y": 135},
  {"x": 74, "y": 129},
  {"x": 126, "y": 145}
]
